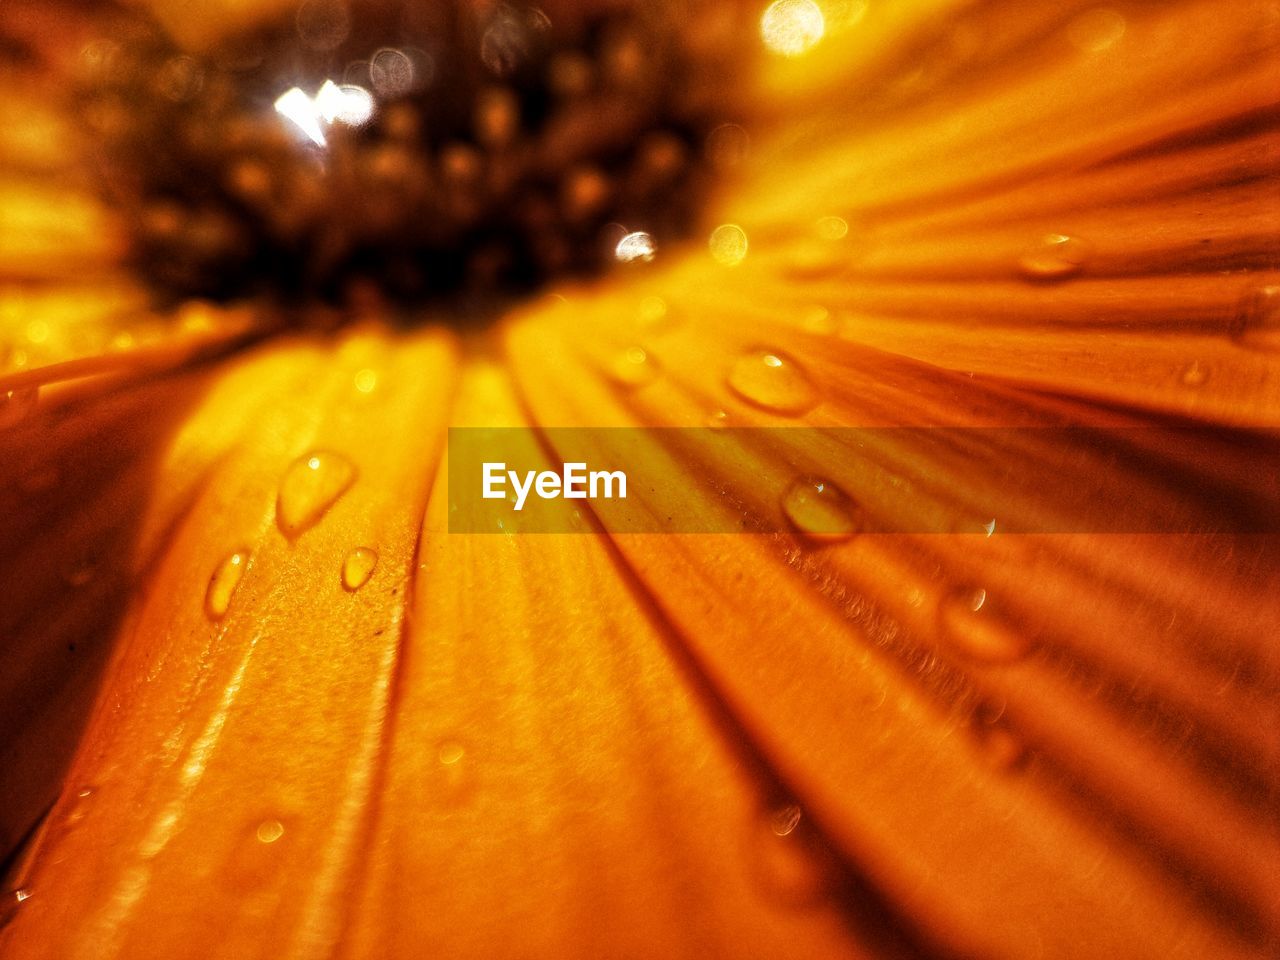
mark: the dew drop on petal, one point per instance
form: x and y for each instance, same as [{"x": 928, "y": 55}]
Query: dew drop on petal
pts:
[
  {"x": 358, "y": 567},
  {"x": 816, "y": 318},
  {"x": 772, "y": 381},
  {"x": 366, "y": 380},
  {"x": 269, "y": 831},
  {"x": 79, "y": 807},
  {"x": 820, "y": 509},
  {"x": 728, "y": 244},
  {"x": 311, "y": 485},
  {"x": 1002, "y": 748},
  {"x": 967, "y": 625},
  {"x": 1054, "y": 256},
  {"x": 831, "y": 228},
  {"x": 450, "y": 752},
  {"x": 792, "y": 27},
  {"x": 1194, "y": 374},
  {"x": 785, "y": 819},
  {"x": 222, "y": 584},
  {"x": 790, "y": 863},
  {"x": 717, "y": 419},
  {"x": 453, "y": 779},
  {"x": 634, "y": 367}
]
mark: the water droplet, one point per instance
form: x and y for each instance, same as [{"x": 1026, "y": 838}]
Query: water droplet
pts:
[
  {"x": 1194, "y": 374},
  {"x": 789, "y": 861},
  {"x": 792, "y": 27},
  {"x": 366, "y": 380},
  {"x": 358, "y": 567},
  {"x": 967, "y": 624},
  {"x": 1258, "y": 320},
  {"x": 79, "y": 805},
  {"x": 816, "y": 318},
  {"x": 22, "y": 894},
  {"x": 717, "y": 419},
  {"x": 452, "y": 776},
  {"x": 1002, "y": 748},
  {"x": 785, "y": 819},
  {"x": 16, "y": 405},
  {"x": 728, "y": 244},
  {"x": 636, "y": 245},
  {"x": 634, "y": 367},
  {"x": 450, "y": 752},
  {"x": 831, "y": 228},
  {"x": 269, "y": 831},
  {"x": 223, "y": 583},
  {"x": 773, "y": 382},
  {"x": 1054, "y": 256},
  {"x": 311, "y": 485},
  {"x": 820, "y": 509}
]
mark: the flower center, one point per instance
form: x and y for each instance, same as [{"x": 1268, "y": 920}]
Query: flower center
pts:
[{"x": 409, "y": 154}]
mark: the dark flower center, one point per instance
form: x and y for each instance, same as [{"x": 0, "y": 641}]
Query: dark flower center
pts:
[{"x": 409, "y": 154}]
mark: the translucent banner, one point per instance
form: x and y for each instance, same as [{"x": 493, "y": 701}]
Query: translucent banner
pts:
[{"x": 841, "y": 482}]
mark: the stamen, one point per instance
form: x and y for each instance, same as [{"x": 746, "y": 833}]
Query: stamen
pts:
[{"x": 413, "y": 155}]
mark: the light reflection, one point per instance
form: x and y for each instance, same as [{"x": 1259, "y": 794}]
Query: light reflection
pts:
[
  {"x": 792, "y": 27},
  {"x": 296, "y": 106},
  {"x": 635, "y": 246},
  {"x": 728, "y": 244},
  {"x": 391, "y": 73},
  {"x": 346, "y": 104}
]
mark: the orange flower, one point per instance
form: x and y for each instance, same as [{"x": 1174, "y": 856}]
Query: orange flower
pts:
[{"x": 259, "y": 701}]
